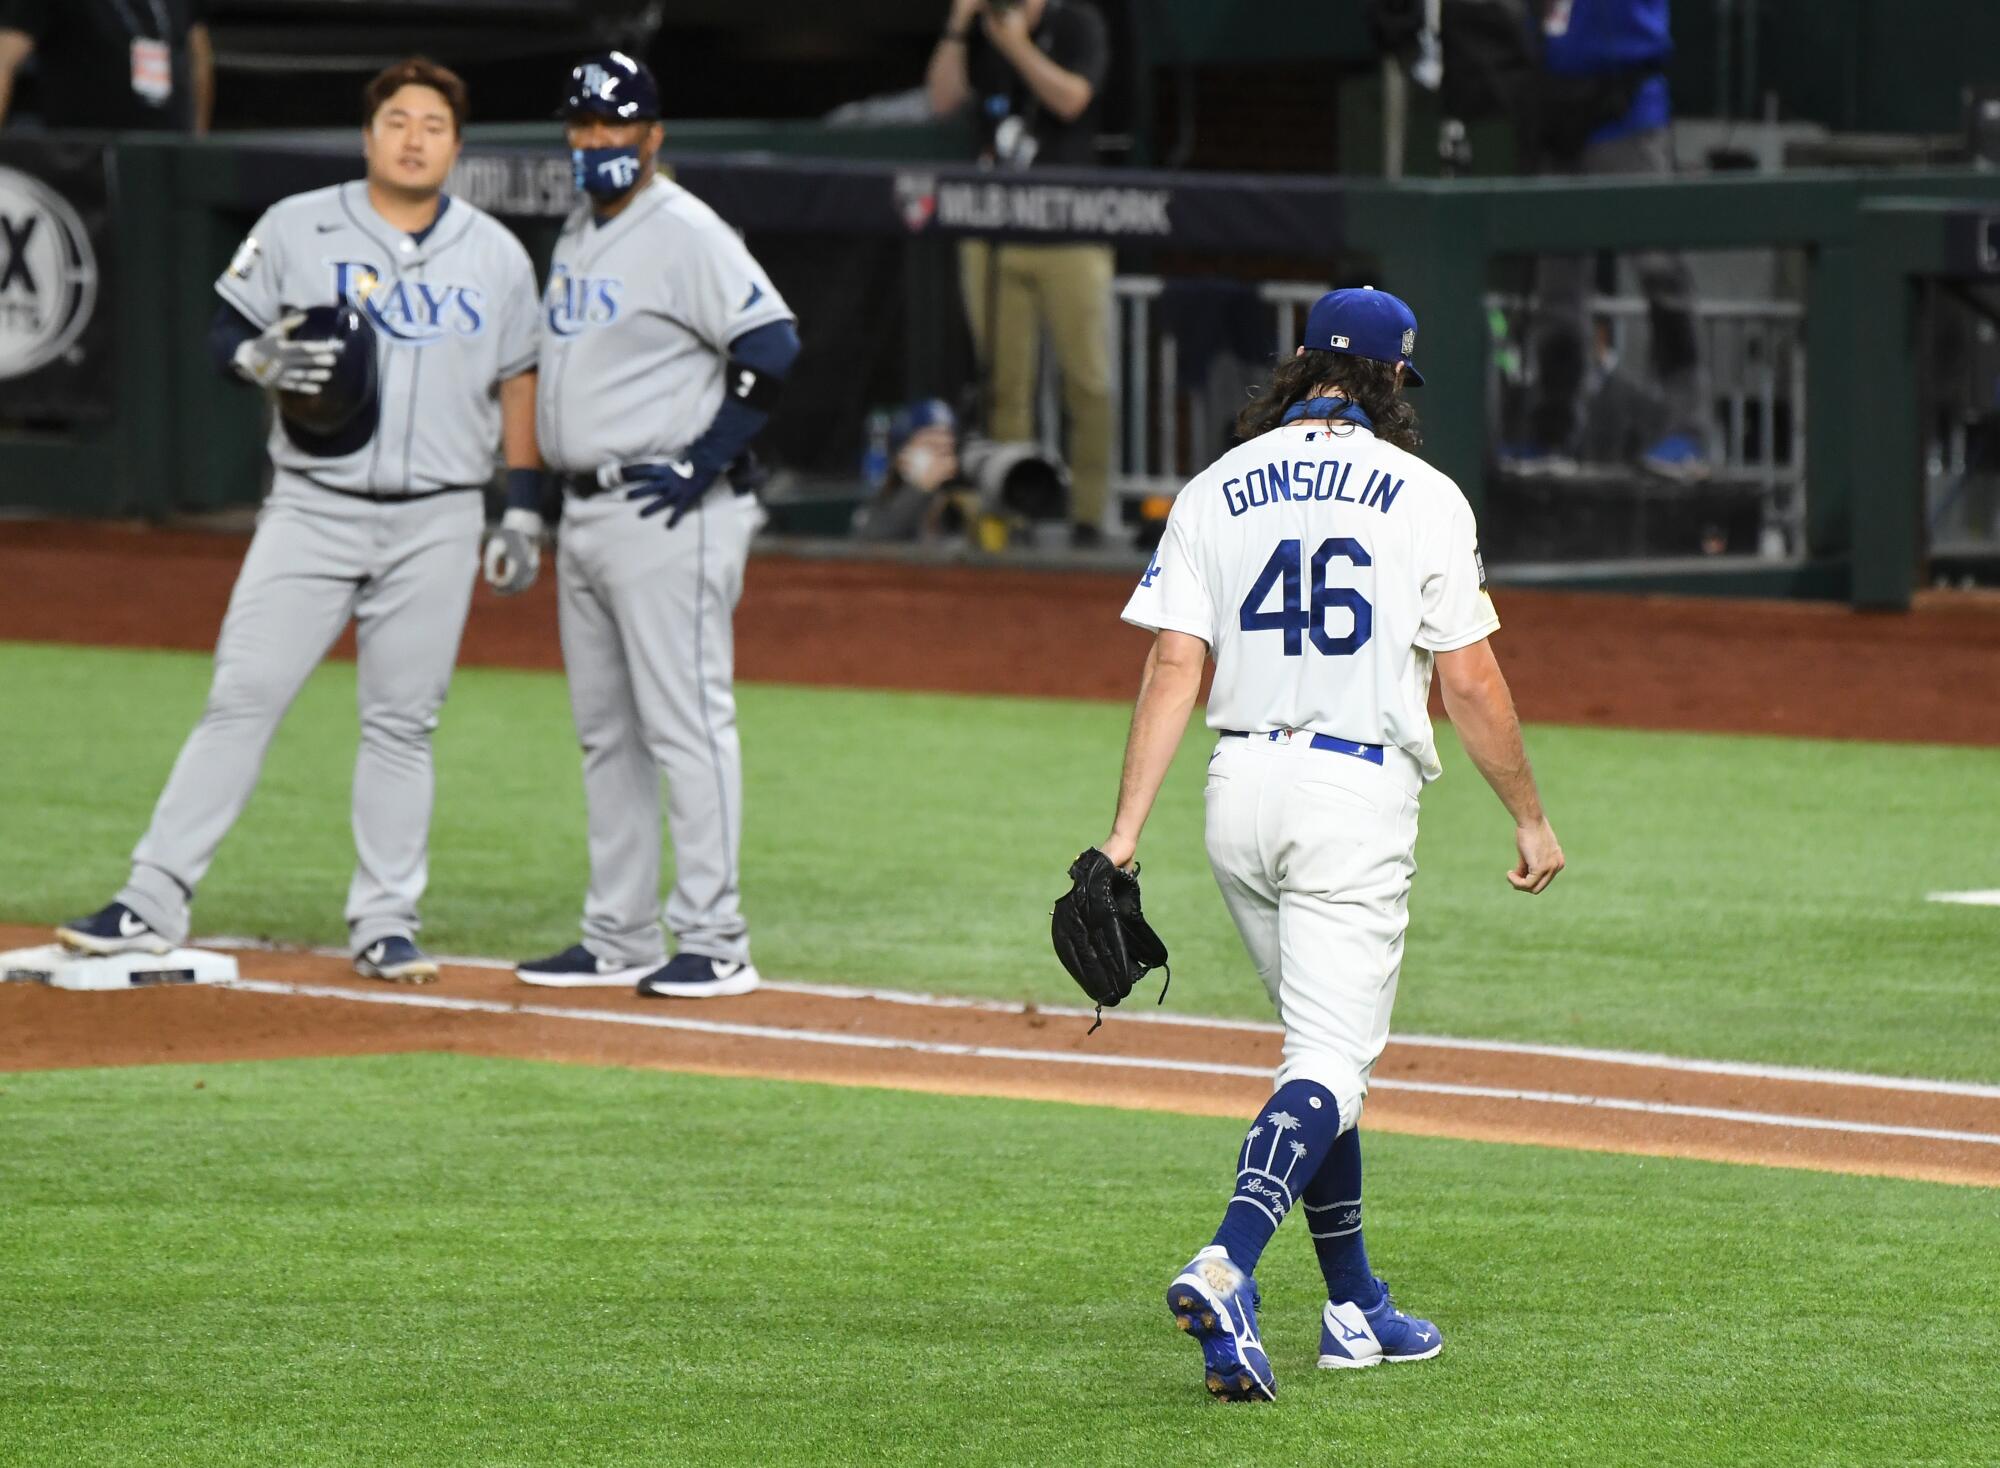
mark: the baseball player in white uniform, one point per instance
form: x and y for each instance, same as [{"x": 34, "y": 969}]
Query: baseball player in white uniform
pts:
[
  {"x": 1329, "y": 571},
  {"x": 664, "y": 348},
  {"x": 374, "y": 520}
]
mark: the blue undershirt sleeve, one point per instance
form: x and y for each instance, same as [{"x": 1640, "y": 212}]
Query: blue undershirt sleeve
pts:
[
  {"x": 769, "y": 351},
  {"x": 230, "y": 329}
]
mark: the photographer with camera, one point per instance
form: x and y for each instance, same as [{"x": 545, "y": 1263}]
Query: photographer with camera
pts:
[
  {"x": 938, "y": 485},
  {"x": 1032, "y": 70}
]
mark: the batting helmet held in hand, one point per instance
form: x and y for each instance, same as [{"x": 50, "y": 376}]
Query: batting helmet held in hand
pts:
[
  {"x": 612, "y": 85},
  {"x": 343, "y": 415}
]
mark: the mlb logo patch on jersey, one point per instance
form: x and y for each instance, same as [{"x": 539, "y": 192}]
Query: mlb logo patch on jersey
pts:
[{"x": 1479, "y": 565}]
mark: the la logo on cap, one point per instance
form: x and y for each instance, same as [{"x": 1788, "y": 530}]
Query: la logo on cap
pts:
[{"x": 1409, "y": 341}]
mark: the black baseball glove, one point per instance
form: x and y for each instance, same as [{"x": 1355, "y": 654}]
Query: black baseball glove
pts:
[{"x": 1100, "y": 934}]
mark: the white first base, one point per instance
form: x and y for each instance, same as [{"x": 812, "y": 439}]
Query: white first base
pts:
[{"x": 58, "y": 967}]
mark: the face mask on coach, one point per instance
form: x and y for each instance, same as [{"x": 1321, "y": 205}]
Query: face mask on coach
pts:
[{"x": 605, "y": 173}]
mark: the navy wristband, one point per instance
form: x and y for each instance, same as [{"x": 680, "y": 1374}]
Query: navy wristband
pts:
[{"x": 524, "y": 490}]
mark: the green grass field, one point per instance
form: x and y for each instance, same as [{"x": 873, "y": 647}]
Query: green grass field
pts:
[
  {"x": 1728, "y": 897},
  {"x": 426, "y": 1259}
]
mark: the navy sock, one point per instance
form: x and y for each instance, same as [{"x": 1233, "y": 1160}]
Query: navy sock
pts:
[
  {"x": 1333, "y": 1214},
  {"x": 1281, "y": 1152}
]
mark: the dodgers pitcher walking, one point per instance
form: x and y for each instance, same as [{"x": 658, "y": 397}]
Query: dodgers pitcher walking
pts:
[
  {"x": 1329, "y": 570},
  {"x": 375, "y": 510},
  {"x": 664, "y": 350}
]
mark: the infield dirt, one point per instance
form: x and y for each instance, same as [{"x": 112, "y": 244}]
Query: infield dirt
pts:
[
  {"x": 1807, "y": 669},
  {"x": 963, "y": 1049},
  {"x": 1651, "y": 663}
]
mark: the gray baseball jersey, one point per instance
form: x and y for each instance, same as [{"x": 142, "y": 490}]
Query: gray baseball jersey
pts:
[
  {"x": 640, "y": 315},
  {"x": 455, "y": 314}
]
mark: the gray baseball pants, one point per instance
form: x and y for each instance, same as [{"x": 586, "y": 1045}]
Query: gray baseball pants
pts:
[
  {"x": 649, "y": 646},
  {"x": 404, "y": 574}
]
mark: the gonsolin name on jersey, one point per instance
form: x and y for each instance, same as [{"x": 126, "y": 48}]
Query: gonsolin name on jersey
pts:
[
  {"x": 580, "y": 303},
  {"x": 414, "y": 312},
  {"x": 1305, "y": 480}
]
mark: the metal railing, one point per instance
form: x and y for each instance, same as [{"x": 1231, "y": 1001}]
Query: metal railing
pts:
[{"x": 1753, "y": 362}]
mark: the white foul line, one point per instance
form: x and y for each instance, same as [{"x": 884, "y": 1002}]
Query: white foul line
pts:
[
  {"x": 1744, "y": 1069},
  {"x": 736, "y": 1029},
  {"x": 1989, "y": 898}
]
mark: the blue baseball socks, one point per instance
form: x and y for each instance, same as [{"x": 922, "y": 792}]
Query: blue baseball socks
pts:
[
  {"x": 1284, "y": 1148},
  {"x": 1333, "y": 1214}
]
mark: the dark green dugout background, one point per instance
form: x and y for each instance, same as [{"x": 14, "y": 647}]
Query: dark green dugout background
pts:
[{"x": 186, "y": 439}]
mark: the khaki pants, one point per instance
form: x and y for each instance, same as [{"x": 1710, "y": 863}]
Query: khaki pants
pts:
[{"x": 1068, "y": 287}]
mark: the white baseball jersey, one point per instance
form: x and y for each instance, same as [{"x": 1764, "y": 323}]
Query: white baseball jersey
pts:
[
  {"x": 455, "y": 314},
  {"x": 1323, "y": 567},
  {"x": 640, "y": 311}
]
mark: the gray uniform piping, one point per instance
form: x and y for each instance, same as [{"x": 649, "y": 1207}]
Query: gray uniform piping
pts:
[{"x": 701, "y": 680}]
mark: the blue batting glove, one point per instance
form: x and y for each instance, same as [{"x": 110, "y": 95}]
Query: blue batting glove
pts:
[{"x": 671, "y": 486}]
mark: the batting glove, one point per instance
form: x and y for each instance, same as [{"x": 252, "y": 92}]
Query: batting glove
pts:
[
  {"x": 672, "y": 486},
  {"x": 514, "y": 552},
  {"x": 274, "y": 360}
]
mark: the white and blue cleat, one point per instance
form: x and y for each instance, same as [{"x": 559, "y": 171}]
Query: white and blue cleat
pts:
[
  {"x": 1351, "y": 1336},
  {"x": 698, "y": 976},
  {"x": 576, "y": 967},
  {"x": 1216, "y": 1303},
  {"x": 396, "y": 959},
  {"x": 111, "y": 930}
]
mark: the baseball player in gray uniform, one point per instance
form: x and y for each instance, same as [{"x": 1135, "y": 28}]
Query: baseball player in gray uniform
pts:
[
  {"x": 663, "y": 349},
  {"x": 375, "y": 511}
]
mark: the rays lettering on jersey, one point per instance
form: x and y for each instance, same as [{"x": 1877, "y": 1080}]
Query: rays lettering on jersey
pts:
[
  {"x": 414, "y": 312},
  {"x": 580, "y": 303},
  {"x": 1305, "y": 480}
]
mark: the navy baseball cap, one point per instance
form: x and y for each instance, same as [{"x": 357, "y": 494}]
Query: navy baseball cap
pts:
[
  {"x": 1365, "y": 323},
  {"x": 917, "y": 416},
  {"x": 612, "y": 85}
]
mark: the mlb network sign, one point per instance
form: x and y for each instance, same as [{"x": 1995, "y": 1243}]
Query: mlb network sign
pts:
[{"x": 1029, "y": 208}]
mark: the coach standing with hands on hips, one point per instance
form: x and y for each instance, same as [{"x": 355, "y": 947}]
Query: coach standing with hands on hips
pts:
[
  {"x": 1032, "y": 70},
  {"x": 663, "y": 350}
]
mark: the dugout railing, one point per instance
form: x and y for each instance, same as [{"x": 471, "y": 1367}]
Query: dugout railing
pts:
[{"x": 182, "y": 438}]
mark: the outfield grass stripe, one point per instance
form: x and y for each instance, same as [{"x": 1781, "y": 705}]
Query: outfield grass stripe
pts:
[
  {"x": 1747, "y": 1070},
  {"x": 850, "y": 1040}
]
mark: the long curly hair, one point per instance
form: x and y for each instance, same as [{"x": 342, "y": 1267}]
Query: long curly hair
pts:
[{"x": 1368, "y": 383}]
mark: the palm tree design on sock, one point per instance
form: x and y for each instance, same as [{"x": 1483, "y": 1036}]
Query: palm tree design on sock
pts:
[
  {"x": 1281, "y": 1122},
  {"x": 1263, "y": 1187},
  {"x": 1250, "y": 1136},
  {"x": 1298, "y": 1150}
]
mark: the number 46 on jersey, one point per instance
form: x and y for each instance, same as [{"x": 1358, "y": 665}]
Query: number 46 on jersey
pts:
[{"x": 1301, "y": 616}]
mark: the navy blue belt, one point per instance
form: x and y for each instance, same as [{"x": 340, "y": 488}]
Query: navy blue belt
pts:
[
  {"x": 1370, "y": 752},
  {"x": 583, "y": 486}
]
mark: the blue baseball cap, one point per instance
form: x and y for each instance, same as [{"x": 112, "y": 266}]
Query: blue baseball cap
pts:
[
  {"x": 917, "y": 416},
  {"x": 1365, "y": 323}
]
